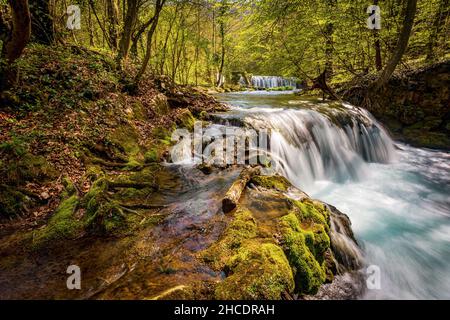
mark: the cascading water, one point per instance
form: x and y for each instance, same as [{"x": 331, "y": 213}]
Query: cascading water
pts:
[
  {"x": 307, "y": 145},
  {"x": 268, "y": 82},
  {"x": 395, "y": 195}
]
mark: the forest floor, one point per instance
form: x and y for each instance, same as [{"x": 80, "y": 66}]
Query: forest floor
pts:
[{"x": 71, "y": 116}]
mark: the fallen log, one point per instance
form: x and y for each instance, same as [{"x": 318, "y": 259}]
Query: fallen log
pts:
[{"x": 231, "y": 199}]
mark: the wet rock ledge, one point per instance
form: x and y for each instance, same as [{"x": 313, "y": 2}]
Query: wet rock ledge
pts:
[{"x": 281, "y": 244}]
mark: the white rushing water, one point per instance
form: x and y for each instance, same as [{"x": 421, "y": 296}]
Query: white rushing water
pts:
[
  {"x": 272, "y": 82},
  {"x": 396, "y": 196}
]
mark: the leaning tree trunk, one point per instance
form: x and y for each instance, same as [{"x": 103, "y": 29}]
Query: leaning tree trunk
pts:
[
  {"x": 42, "y": 29},
  {"x": 129, "y": 24},
  {"x": 223, "y": 10},
  {"x": 15, "y": 36},
  {"x": 400, "y": 49},
  {"x": 158, "y": 8}
]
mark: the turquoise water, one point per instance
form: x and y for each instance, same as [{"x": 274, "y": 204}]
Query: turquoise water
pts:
[
  {"x": 401, "y": 217},
  {"x": 399, "y": 205}
]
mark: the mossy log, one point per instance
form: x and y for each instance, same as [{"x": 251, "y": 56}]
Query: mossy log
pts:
[{"x": 231, "y": 199}]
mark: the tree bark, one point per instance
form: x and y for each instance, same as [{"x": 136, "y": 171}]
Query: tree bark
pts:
[
  {"x": 329, "y": 43},
  {"x": 158, "y": 8},
  {"x": 400, "y": 49},
  {"x": 15, "y": 38},
  {"x": 377, "y": 45},
  {"x": 223, "y": 9},
  {"x": 129, "y": 25},
  {"x": 113, "y": 22}
]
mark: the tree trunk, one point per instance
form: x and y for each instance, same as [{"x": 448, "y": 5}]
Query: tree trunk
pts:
[
  {"x": 129, "y": 24},
  {"x": 223, "y": 10},
  {"x": 42, "y": 29},
  {"x": 377, "y": 45},
  {"x": 329, "y": 43},
  {"x": 113, "y": 22},
  {"x": 400, "y": 49},
  {"x": 15, "y": 40},
  {"x": 158, "y": 8},
  {"x": 138, "y": 34}
]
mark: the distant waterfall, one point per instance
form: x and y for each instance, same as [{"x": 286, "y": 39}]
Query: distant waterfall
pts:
[{"x": 268, "y": 82}]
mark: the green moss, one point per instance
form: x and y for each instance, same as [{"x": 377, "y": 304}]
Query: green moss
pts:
[
  {"x": 126, "y": 138},
  {"x": 309, "y": 274},
  {"x": 29, "y": 167},
  {"x": 279, "y": 183},
  {"x": 257, "y": 272},
  {"x": 12, "y": 201},
  {"x": 309, "y": 211},
  {"x": 164, "y": 134},
  {"x": 424, "y": 138},
  {"x": 69, "y": 187},
  {"x": 62, "y": 225},
  {"x": 93, "y": 173},
  {"x": 242, "y": 228},
  {"x": 186, "y": 120},
  {"x": 151, "y": 156}
]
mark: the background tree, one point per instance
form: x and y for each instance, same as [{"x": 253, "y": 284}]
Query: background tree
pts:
[
  {"x": 400, "y": 49},
  {"x": 15, "y": 35},
  {"x": 42, "y": 29}
]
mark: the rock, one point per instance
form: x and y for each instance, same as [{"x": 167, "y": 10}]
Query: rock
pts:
[
  {"x": 161, "y": 105},
  {"x": 277, "y": 246}
]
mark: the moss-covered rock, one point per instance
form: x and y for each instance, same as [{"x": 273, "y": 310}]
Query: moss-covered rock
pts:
[
  {"x": 103, "y": 215},
  {"x": 309, "y": 211},
  {"x": 274, "y": 253},
  {"x": 185, "y": 120},
  {"x": 161, "y": 105},
  {"x": 309, "y": 274},
  {"x": 62, "y": 225},
  {"x": 257, "y": 272},
  {"x": 126, "y": 139},
  {"x": 277, "y": 182},
  {"x": 243, "y": 227},
  {"x": 12, "y": 201}
]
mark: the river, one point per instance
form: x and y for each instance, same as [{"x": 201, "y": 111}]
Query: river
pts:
[{"x": 396, "y": 196}]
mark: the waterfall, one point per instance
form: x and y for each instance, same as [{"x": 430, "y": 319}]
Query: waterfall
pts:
[
  {"x": 268, "y": 82},
  {"x": 320, "y": 142},
  {"x": 335, "y": 144}
]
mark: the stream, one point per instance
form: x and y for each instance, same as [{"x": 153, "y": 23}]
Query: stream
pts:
[{"x": 396, "y": 196}]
